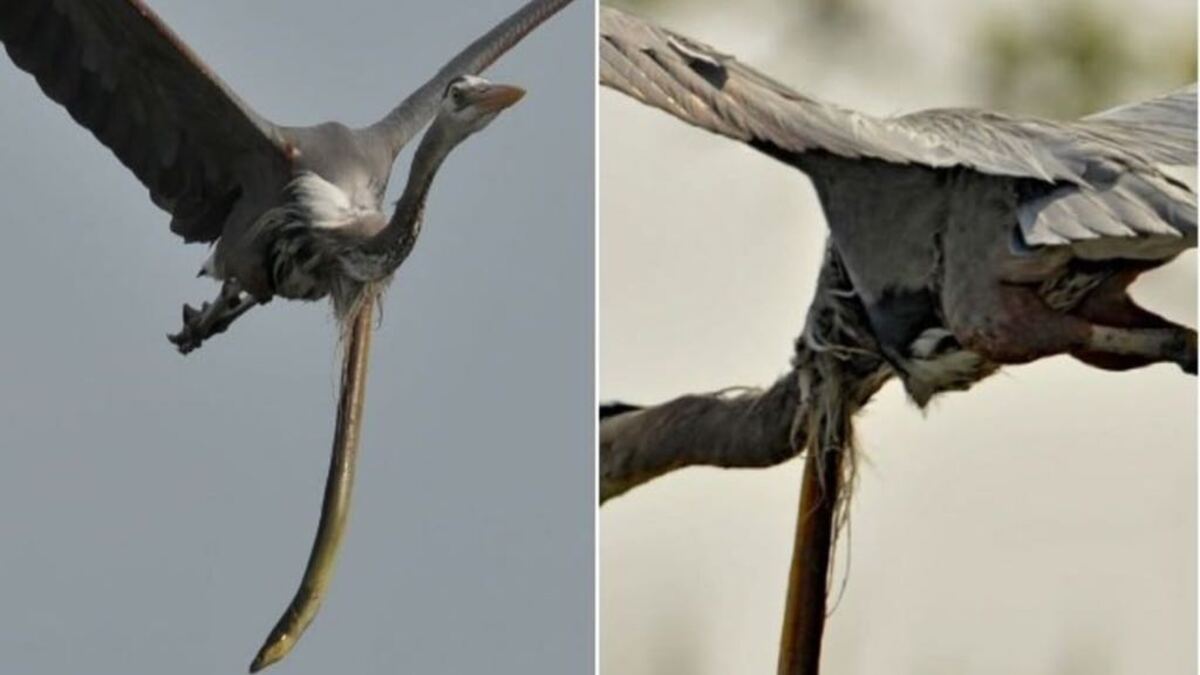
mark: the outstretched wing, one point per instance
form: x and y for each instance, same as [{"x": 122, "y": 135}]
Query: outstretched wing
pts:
[
  {"x": 125, "y": 76},
  {"x": 1100, "y": 175},
  {"x": 714, "y": 91},
  {"x": 407, "y": 119},
  {"x": 1162, "y": 128}
]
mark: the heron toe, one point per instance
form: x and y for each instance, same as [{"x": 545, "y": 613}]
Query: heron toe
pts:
[
  {"x": 1187, "y": 360},
  {"x": 184, "y": 341}
]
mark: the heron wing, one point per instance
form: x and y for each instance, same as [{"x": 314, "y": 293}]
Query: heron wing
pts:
[
  {"x": 407, "y": 119},
  {"x": 1100, "y": 177},
  {"x": 714, "y": 91},
  {"x": 1121, "y": 213},
  {"x": 125, "y": 76},
  {"x": 1162, "y": 128},
  {"x": 1101, "y": 188}
]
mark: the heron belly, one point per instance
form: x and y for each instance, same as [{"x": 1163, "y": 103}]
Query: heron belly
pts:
[{"x": 300, "y": 270}]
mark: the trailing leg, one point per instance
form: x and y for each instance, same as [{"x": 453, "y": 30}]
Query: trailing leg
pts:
[
  {"x": 1109, "y": 305},
  {"x": 1010, "y": 324},
  {"x": 1140, "y": 346},
  {"x": 212, "y": 317}
]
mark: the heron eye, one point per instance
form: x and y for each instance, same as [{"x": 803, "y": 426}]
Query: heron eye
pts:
[{"x": 453, "y": 86}]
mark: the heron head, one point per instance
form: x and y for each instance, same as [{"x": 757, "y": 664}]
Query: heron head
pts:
[{"x": 470, "y": 103}]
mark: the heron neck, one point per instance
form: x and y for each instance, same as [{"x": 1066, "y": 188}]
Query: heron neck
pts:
[{"x": 397, "y": 239}]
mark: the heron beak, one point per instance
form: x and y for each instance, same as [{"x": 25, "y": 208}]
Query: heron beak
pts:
[{"x": 497, "y": 97}]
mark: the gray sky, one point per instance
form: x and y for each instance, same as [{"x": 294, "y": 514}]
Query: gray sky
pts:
[
  {"x": 157, "y": 510},
  {"x": 1042, "y": 523}
]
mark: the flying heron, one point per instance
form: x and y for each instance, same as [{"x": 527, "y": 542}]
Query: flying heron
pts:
[
  {"x": 974, "y": 239},
  {"x": 960, "y": 241},
  {"x": 294, "y": 212}
]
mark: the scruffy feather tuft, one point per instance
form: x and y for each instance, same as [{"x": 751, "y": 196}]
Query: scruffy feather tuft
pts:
[{"x": 327, "y": 205}]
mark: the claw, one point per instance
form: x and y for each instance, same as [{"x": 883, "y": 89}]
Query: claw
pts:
[
  {"x": 212, "y": 317},
  {"x": 1188, "y": 362},
  {"x": 183, "y": 341},
  {"x": 1187, "y": 353}
]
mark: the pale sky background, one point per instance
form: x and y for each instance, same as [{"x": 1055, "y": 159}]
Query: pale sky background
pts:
[
  {"x": 156, "y": 511},
  {"x": 1043, "y": 523}
]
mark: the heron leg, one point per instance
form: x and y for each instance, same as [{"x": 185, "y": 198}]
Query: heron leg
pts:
[
  {"x": 1011, "y": 324},
  {"x": 1121, "y": 348},
  {"x": 1109, "y": 305},
  {"x": 212, "y": 317}
]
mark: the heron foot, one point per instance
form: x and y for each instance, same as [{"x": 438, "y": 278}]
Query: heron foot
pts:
[
  {"x": 212, "y": 317},
  {"x": 1187, "y": 361}
]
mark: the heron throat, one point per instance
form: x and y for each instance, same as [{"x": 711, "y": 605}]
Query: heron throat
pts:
[{"x": 388, "y": 249}]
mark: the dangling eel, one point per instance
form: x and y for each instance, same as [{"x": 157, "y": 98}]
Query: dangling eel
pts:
[{"x": 335, "y": 508}]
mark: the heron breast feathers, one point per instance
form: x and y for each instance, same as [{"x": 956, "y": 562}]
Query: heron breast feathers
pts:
[{"x": 328, "y": 206}]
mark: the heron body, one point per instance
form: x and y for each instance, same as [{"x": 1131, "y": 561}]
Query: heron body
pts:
[
  {"x": 329, "y": 235},
  {"x": 301, "y": 265},
  {"x": 334, "y": 182},
  {"x": 973, "y": 239},
  {"x": 951, "y": 288}
]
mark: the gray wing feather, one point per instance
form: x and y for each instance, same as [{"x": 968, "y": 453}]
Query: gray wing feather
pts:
[
  {"x": 124, "y": 75},
  {"x": 1105, "y": 192},
  {"x": 1162, "y": 128},
  {"x": 414, "y": 112},
  {"x": 714, "y": 91},
  {"x": 711, "y": 90}
]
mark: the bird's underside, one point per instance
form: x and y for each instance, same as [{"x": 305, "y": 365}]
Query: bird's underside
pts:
[
  {"x": 293, "y": 251},
  {"x": 973, "y": 239},
  {"x": 953, "y": 291}
]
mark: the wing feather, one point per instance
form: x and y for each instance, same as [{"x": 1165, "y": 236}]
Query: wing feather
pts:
[
  {"x": 1163, "y": 128},
  {"x": 124, "y": 75}
]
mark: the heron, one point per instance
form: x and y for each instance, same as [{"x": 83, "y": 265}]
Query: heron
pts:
[
  {"x": 291, "y": 212},
  {"x": 960, "y": 241}
]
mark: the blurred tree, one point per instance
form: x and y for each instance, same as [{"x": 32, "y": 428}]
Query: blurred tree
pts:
[{"x": 832, "y": 14}]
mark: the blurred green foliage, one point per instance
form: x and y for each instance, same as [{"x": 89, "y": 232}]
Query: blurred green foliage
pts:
[
  {"x": 1075, "y": 58},
  {"x": 830, "y": 13}
]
